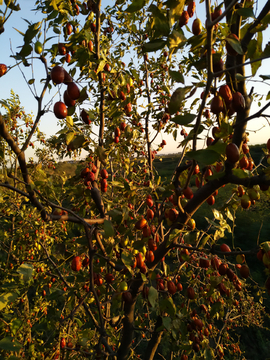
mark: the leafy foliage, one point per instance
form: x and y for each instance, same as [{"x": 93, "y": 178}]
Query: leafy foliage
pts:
[{"x": 107, "y": 261}]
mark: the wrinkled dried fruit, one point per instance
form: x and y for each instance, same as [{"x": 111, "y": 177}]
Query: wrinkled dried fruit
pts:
[
  {"x": 183, "y": 20},
  {"x": 191, "y": 8}
]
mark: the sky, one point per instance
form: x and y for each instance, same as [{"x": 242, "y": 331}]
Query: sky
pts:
[{"x": 11, "y": 39}]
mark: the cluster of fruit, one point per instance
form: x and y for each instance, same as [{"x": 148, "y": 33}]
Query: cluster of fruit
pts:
[
  {"x": 226, "y": 102},
  {"x": 89, "y": 176},
  {"x": 187, "y": 14},
  {"x": 59, "y": 75}
]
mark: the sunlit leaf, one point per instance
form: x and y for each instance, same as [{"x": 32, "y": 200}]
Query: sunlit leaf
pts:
[
  {"x": 69, "y": 121},
  {"x": 5, "y": 299},
  {"x": 26, "y": 270},
  {"x": 69, "y": 137},
  {"x": 241, "y": 173},
  {"x": 176, "y": 7},
  {"x": 136, "y": 5}
]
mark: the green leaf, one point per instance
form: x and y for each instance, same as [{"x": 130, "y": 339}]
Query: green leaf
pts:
[
  {"x": 5, "y": 299},
  {"x": 101, "y": 66},
  {"x": 266, "y": 51},
  {"x": 127, "y": 258},
  {"x": 174, "y": 234},
  {"x": 241, "y": 173},
  {"x": 26, "y": 50},
  {"x": 204, "y": 156},
  {"x": 26, "y": 270},
  {"x": 108, "y": 229},
  {"x": 69, "y": 121},
  {"x": 184, "y": 119},
  {"x": 31, "y": 81},
  {"x": 209, "y": 354},
  {"x": 69, "y": 137},
  {"x": 235, "y": 44},
  {"x": 176, "y": 8},
  {"x": 153, "y": 296},
  {"x": 56, "y": 294},
  {"x": 177, "y": 76},
  {"x": 31, "y": 32},
  {"x": 153, "y": 45},
  {"x": 159, "y": 22},
  {"x": 10, "y": 344},
  {"x": 204, "y": 241},
  {"x": 83, "y": 95},
  {"x": 168, "y": 306},
  {"x": 177, "y": 98},
  {"x": 18, "y": 30},
  {"x": 136, "y": 5},
  {"x": 219, "y": 147},
  {"x": 101, "y": 155},
  {"x": 78, "y": 321},
  {"x": 175, "y": 40},
  {"x": 246, "y": 12},
  {"x": 167, "y": 322},
  {"x": 241, "y": 77},
  {"x": 229, "y": 214},
  {"x": 13, "y": 6},
  {"x": 217, "y": 214},
  {"x": 15, "y": 325},
  {"x": 216, "y": 307},
  {"x": 78, "y": 142},
  {"x": 265, "y": 77}
]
